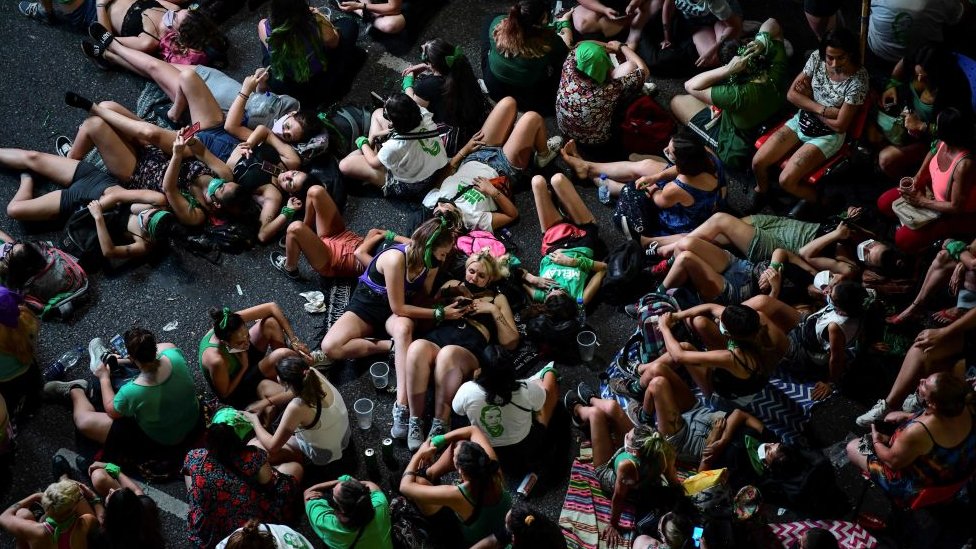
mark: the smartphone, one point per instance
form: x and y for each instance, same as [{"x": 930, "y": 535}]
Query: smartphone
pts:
[
  {"x": 463, "y": 301},
  {"x": 191, "y": 131},
  {"x": 270, "y": 168},
  {"x": 696, "y": 535}
]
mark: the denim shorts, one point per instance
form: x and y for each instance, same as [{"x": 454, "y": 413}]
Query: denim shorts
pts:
[
  {"x": 495, "y": 158},
  {"x": 828, "y": 144},
  {"x": 738, "y": 282},
  {"x": 83, "y": 16}
]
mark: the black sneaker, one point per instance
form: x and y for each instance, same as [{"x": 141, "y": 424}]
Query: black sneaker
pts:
[
  {"x": 278, "y": 262},
  {"x": 585, "y": 392},
  {"x": 94, "y": 54},
  {"x": 62, "y": 145},
  {"x": 72, "y": 99},
  {"x": 60, "y": 467},
  {"x": 100, "y": 35},
  {"x": 632, "y": 311},
  {"x": 35, "y": 11},
  {"x": 626, "y": 387},
  {"x": 570, "y": 401}
]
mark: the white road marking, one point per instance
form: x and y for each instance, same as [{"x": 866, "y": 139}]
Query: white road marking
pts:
[
  {"x": 163, "y": 500},
  {"x": 392, "y": 62}
]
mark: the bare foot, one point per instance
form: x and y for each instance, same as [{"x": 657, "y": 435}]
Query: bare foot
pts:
[{"x": 571, "y": 156}]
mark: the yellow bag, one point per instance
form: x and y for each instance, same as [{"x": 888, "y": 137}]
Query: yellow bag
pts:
[{"x": 705, "y": 480}]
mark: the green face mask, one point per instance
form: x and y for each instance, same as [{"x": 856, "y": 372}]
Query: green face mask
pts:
[
  {"x": 593, "y": 61},
  {"x": 215, "y": 185}
]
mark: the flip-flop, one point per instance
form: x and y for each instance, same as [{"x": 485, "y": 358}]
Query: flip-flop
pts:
[
  {"x": 944, "y": 317},
  {"x": 102, "y": 36},
  {"x": 898, "y": 319}
]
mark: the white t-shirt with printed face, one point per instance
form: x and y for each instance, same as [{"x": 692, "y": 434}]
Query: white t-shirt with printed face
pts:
[
  {"x": 412, "y": 160},
  {"x": 474, "y": 206},
  {"x": 851, "y": 90},
  {"x": 285, "y": 537},
  {"x": 503, "y": 425},
  {"x": 897, "y": 25}
]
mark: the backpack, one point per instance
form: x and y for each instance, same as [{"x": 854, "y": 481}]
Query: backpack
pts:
[
  {"x": 408, "y": 528},
  {"x": 233, "y": 238},
  {"x": 646, "y": 343},
  {"x": 625, "y": 279},
  {"x": 634, "y": 209},
  {"x": 81, "y": 237},
  {"x": 54, "y": 289},
  {"x": 475, "y": 241},
  {"x": 344, "y": 125},
  {"x": 646, "y": 127}
]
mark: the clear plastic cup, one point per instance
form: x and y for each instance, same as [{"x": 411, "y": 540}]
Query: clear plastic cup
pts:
[
  {"x": 586, "y": 343},
  {"x": 380, "y": 372},
  {"x": 363, "y": 408},
  {"x": 906, "y": 184}
]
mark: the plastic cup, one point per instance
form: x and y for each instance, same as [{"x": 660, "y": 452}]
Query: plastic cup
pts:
[
  {"x": 906, "y": 184},
  {"x": 380, "y": 372},
  {"x": 363, "y": 409},
  {"x": 325, "y": 10},
  {"x": 586, "y": 342}
]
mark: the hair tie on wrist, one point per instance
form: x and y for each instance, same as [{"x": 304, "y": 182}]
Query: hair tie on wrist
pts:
[
  {"x": 287, "y": 212},
  {"x": 408, "y": 81},
  {"x": 438, "y": 441},
  {"x": 113, "y": 470},
  {"x": 360, "y": 141}
]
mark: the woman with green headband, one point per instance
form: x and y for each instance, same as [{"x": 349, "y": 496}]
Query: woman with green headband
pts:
[
  {"x": 382, "y": 306},
  {"x": 67, "y": 519},
  {"x": 238, "y": 362}
]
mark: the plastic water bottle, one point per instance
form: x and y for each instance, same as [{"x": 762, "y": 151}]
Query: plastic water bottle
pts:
[
  {"x": 581, "y": 312},
  {"x": 603, "y": 192},
  {"x": 56, "y": 370}
]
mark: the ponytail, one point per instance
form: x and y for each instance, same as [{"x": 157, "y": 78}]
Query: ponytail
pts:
[
  {"x": 251, "y": 536},
  {"x": 294, "y": 372}
]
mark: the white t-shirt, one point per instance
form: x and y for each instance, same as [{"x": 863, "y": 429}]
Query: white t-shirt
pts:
[
  {"x": 851, "y": 90},
  {"x": 323, "y": 442},
  {"x": 503, "y": 425},
  {"x": 475, "y": 207},
  {"x": 412, "y": 160},
  {"x": 896, "y": 25},
  {"x": 284, "y": 536},
  {"x": 694, "y": 9}
]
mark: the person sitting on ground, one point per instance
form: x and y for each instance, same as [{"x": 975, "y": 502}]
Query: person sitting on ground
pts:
[
  {"x": 820, "y": 342},
  {"x": 152, "y": 416},
  {"x": 710, "y": 23},
  {"x": 514, "y": 414},
  {"x": 953, "y": 267},
  {"x": 261, "y": 108},
  {"x": 525, "y": 528},
  {"x": 936, "y": 83},
  {"x": 387, "y": 17},
  {"x": 229, "y": 483},
  {"x": 310, "y": 57},
  {"x": 950, "y": 176},
  {"x": 406, "y": 165},
  {"x": 238, "y": 362},
  {"x": 895, "y": 26},
  {"x": 382, "y": 304},
  {"x": 502, "y": 149},
  {"x": 256, "y": 535},
  {"x": 591, "y": 89},
  {"x": 445, "y": 85},
  {"x": 674, "y": 531},
  {"x": 20, "y": 376},
  {"x": 719, "y": 276},
  {"x": 522, "y": 55},
  {"x": 614, "y": 19},
  {"x": 314, "y": 425},
  {"x": 746, "y": 91},
  {"x": 481, "y": 500},
  {"x": 934, "y": 447},
  {"x": 67, "y": 519},
  {"x": 128, "y": 518},
  {"x": 828, "y": 92},
  {"x": 680, "y": 194},
  {"x": 347, "y": 512},
  {"x": 630, "y": 461},
  {"x": 452, "y": 351}
]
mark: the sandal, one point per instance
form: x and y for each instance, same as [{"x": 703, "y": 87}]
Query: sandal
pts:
[
  {"x": 100, "y": 35},
  {"x": 945, "y": 317},
  {"x": 898, "y": 319}
]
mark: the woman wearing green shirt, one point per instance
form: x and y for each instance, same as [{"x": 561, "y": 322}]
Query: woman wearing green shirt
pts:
[
  {"x": 151, "y": 416},
  {"x": 347, "y": 512},
  {"x": 522, "y": 55}
]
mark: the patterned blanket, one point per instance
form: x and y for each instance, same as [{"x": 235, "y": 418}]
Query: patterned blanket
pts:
[
  {"x": 849, "y": 535},
  {"x": 586, "y": 512}
]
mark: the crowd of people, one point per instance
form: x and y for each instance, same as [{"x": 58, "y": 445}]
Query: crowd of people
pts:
[{"x": 739, "y": 297}]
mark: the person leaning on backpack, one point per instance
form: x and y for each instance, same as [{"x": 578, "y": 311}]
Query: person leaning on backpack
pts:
[{"x": 347, "y": 513}]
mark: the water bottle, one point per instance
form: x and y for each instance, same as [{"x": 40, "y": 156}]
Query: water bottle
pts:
[
  {"x": 56, "y": 370},
  {"x": 581, "y": 312},
  {"x": 603, "y": 193}
]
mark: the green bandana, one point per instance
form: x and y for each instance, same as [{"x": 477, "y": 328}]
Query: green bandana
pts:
[
  {"x": 593, "y": 61},
  {"x": 154, "y": 220},
  {"x": 752, "y": 450},
  {"x": 215, "y": 184},
  {"x": 235, "y": 419}
]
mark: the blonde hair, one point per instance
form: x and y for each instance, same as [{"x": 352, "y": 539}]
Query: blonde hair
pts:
[
  {"x": 61, "y": 497},
  {"x": 496, "y": 268}
]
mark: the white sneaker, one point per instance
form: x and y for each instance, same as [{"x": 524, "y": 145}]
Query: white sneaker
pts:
[
  {"x": 401, "y": 415},
  {"x": 911, "y": 404},
  {"x": 878, "y": 411},
  {"x": 61, "y": 389},
  {"x": 415, "y": 434},
  {"x": 437, "y": 427},
  {"x": 97, "y": 349},
  {"x": 320, "y": 360},
  {"x": 554, "y": 143}
]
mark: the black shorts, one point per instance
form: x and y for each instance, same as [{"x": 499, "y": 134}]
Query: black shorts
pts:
[
  {"x": 371, "y": 307},
  {"x": 246, "y": 391},
  {"x": 821, "y": 8},
  {"x": 128, "y": 443},
  {"x": 527, "y": 454},
  {"x": 698, "y": 125},
  {"x": 89, "y": 183},
  {"x": 458, "y": 333}
]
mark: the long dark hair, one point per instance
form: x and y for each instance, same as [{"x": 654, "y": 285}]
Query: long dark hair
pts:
[
  {"x": 531, "y": 529},
  {"x": 480, "y": 470},
  {"x": 461, "y": 90},
  {"x": 225, "y": 322},
  {"x": 223, "y": 444},
  {"x": 355, "y": 503},
  {"x": 131, "y": 521},
  {"x": 251, "y": 536},
  {"x": 294, "y": 29},
  {"x": 844, "y": 40},
  {"x": 22, "y": 262},
  {"x": 690, "y": 156},
  {"x": 430, "y": 235},
  {"x": 943, "y": 74},
  {"x": 498, "y": 377},
  {"x": 749, "y": 334},
  {"x": 140, "y": 343},
  {"x": 305, "y": 383},
  {"x": 199, "y": 32}
]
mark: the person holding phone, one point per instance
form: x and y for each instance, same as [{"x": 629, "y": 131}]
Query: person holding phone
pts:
[
  {"x": 622, "y": 20},
  {"x": 675, "y": 531},
  {"x": 453, "y": 350},
  {"x": 710, "y": 22}
]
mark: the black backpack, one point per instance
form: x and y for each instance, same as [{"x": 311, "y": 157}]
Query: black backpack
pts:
[
  {"x": 632, "y": 207},
  {"x": 626, "y": 279},
  {"x": 81, "y": 237},
  {"x": 344, "y": 125}
]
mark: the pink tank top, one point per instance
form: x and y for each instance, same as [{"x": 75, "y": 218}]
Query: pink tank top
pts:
[{"x": 942, "y": 178}]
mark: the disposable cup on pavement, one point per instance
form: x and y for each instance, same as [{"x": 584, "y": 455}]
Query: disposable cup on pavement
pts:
[
  {"x": 380, "y": 372},
  {"x": 364, "y": 412},
  {"x": 586, "y": 342}
]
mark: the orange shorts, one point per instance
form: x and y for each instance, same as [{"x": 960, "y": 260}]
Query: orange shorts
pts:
[{"x": 342, "y": 249}]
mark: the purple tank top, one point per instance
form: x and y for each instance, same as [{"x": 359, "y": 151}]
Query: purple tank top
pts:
[{"x": 375, "y": 281}]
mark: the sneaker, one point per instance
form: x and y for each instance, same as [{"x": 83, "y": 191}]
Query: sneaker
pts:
[
  {"x": 554, "y": 143},
  {"x": 437, "y": 427},
  {"x": 877, "y": 412},
  {"x": 278, "y": 262},
  {"x": 62, "y": 145},
  {"x": 94, "y": 54},
  {"x": 627, "y": 388},
  {"x": 586, "y": 393},
  {"x": 632, "y": 310},
  {"x": 911, "y": 404},
  {"x": 415, "y": 433},
  {"x": 283, "y": 241},
  {"x": 34, "y": 10},
  {"x": 100, "y": 35},
  {"x": 97, "y": 350},
  {"x": 603, "y": 194},
  {"x": 570, "y": 401},
  {"x": 60, "y": 467},
  {"x": 401, "y": 415},
  {"x": 320, "y": 359},
  {"x": 61, "y": 389},
  {"x": 547, "y": 368},
  {"x": 636, "y": 414}
]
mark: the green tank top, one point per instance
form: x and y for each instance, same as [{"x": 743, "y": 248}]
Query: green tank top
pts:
[
  {"x": 233, "y": 365},
  {"x": 487, "y": 519},
  {"x": 924, "y": 111}
]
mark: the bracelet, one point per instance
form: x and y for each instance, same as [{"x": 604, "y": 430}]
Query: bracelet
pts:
[
  {"x": 389, "y": 236},
  {"x": 244, "y": 96},
  {"x": 439, "y": 314},
  {"x": 287, "y": 212},
  {"x": 955, "y": 248},
  {"x": 95, "y": 501},
  {"x": 776, "y": 265},
  {"x": 823, "y": 112},
  {"x": 560, "y": 25},
  {"x": 113, "y": 470},
  {"x": 360, "y": 141},
  {"x": 408, "y": 81},
  {"x": 893, "y": 83},
  {"x": 438, "y": 441}
]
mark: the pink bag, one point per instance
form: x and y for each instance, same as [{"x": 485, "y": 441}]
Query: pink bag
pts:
[
  {"x": 173, "y": 52},
  {"x": 475, "y": 241}
]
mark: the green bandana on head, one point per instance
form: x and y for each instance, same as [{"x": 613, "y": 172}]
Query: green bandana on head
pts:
[
  {"x": 215, "y": 185},
  {"x": 154, "y": 220},
  {"x": 593, "y": 61}
]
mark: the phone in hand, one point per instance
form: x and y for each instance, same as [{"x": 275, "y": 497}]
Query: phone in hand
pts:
[
  {"x": 696, "y": 535},
  {"x": 463, "y": 301},
  {"x": 190, "y": 131},
  {"x": 270, "y": 168}
]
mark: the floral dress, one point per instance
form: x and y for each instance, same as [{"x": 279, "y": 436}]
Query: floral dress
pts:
[
  {"x": 584, "y": 109},
  {"x": 151, "y": 166},
  {"x": 222, "y": 498}
]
